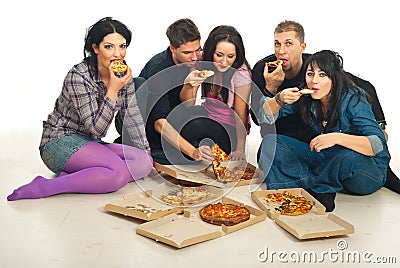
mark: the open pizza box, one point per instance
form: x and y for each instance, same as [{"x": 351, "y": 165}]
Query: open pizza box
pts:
[
  {"x": 149, "y": 206},
  {"x": 201, "y": 175},
  {"x": 313, "y": 224},
  {"x": 187, "y": 228}
]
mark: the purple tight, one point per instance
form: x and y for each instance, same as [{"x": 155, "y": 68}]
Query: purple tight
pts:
[{"x": 95, "y": 168}]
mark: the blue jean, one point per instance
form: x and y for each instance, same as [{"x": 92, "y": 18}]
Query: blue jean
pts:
[
  {"x": 289, "y": 163},
  {"x": 56, "y": 153}
]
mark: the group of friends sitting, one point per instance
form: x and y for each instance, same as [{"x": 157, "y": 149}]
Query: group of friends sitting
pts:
[{"x": 322, "y": 128}]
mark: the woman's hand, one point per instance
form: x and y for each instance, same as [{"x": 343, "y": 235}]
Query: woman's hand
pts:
[
  {"x": 290, "y": 95},
  {"x": 117, "y": 83},
  {"x": 237, "y": 155},
  {"x": 324, "y": 141},
  {"x": 203, "y": 153},
  {"x": 194, "y": 79}
]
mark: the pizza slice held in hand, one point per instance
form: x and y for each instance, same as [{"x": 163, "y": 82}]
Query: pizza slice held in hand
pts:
[
  {"x": 219, "y": 156},
  {"x": 230, "y": 172}
]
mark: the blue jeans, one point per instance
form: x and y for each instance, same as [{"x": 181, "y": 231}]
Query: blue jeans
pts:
[
  {"x": 56, "y": 153},
  {"x": 289, "y": 163}
]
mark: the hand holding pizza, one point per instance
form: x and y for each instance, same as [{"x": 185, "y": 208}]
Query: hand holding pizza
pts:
[
  {"x": 196, "y": 77},
  {"x": 290, "y": 95},
  {"x": 273, "y": 79},
  {"x": 203, "y": 153},
  {"x": 117, "y": 83}
]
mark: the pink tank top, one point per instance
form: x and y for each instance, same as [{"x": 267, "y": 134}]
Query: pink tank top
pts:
[{"x": 215, "y": 106}]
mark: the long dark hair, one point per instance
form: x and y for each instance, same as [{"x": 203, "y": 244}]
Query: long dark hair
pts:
[
  {"x": 332, "y": 64},
  {"x": 231, "y": 35},
  {"x": 95, "y": 35}
]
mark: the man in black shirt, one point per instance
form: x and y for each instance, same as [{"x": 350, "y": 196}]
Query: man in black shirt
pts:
[
  {"x": 289, "y": 47},
  {"x": 165, "y": 74}
]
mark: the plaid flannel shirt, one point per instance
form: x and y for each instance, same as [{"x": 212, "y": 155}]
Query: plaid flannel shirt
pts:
[{"x": 83, "y": 108}]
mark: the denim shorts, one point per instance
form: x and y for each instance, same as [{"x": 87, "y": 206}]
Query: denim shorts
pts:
[{"x": 56, "y": 153}]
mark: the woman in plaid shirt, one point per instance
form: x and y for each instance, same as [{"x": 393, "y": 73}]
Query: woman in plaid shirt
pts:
[{"x": 71, "y": 144}]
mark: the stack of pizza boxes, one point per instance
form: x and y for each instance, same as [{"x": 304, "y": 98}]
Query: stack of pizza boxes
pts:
[{"x": 178, "y": 226}]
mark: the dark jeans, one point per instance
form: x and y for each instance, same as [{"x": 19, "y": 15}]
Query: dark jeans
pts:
[{"x": 289, "y": 163}]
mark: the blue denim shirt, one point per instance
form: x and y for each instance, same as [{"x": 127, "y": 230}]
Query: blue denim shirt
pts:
[{"x": 356, "y": 118}]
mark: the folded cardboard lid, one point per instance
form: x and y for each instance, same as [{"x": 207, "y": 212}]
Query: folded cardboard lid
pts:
[
  {"x": 149, "y": 206},
  {"x": 201, "y": 175},
  {"x": 313, "y": 224},
  {"x": 140, "y": 206},
  {"x": 178, "y": 230},
  {"x": 187, "y": 228}
]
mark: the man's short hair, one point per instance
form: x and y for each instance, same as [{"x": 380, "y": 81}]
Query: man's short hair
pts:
[
  {"x": 182, "y": 31},
  {"x": 288, "y": 25}
]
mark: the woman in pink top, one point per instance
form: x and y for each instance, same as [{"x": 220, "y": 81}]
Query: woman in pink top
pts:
[{"x": 225, "y": 94}]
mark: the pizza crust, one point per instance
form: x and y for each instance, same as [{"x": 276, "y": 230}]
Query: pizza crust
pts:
[
  {"x": 118, "y": 66},
  {"x": 274, "y": 64},
  {"x": 206, "y": 73},
  {"x": 306, "y": 91}
]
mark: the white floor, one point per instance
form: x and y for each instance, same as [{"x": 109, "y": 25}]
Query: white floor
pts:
[{"x": 73, "y": 230}]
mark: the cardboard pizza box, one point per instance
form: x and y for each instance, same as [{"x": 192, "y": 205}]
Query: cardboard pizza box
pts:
[
  {"x": 258, "y": 198},
  {"x": 149, "y": 206},
  {"x": 201, "y": 175},
  {"x": 168, "y": 188},
  {"x": 178, "y": 230},
  {"x": 140, "y": 206},
  {"x": 187, "y": 228},
  {"x": 313, "y": 224}
]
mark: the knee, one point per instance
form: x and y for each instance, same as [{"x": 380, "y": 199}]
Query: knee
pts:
[
  {"x": 119, "y": 178},
  {"x": 147, "y": 163},
  {"x": 268, "y": 144},
  {"x": 364, "y": 182},
  {"x": 141, "y": 166}
]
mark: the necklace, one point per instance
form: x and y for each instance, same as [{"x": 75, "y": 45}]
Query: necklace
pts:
[{"x": 324, "y": 123}]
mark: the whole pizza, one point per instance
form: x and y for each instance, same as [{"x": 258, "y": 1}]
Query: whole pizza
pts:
[
  {"x": 185, "y": 196},
  {"x": 289, "y": 204},
  {"x": 224, "y": 214}
]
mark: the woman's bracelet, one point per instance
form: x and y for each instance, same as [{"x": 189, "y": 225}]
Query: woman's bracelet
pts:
[{"x": 279, "y": 100}]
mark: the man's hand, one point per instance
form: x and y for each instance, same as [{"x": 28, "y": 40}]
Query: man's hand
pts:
[{"x": 274, "y": 79}]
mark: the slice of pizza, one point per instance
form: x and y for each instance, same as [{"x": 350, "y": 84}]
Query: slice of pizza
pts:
[
  {"x": 219, "y": 156},
  {"x": 289, "y": 204},
  {"x": 272, "y": 65},
  {"x": 306, "y": 91},
  {"x": 206, "y": 73},
  {"x": 218, "y": 153}
]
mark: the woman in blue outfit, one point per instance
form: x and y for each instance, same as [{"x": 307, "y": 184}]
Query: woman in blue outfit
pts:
[{"x": 350, "y": 154}]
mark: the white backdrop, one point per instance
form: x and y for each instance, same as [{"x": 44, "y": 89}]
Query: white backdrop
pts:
[{"x": 41, "y": 40}]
